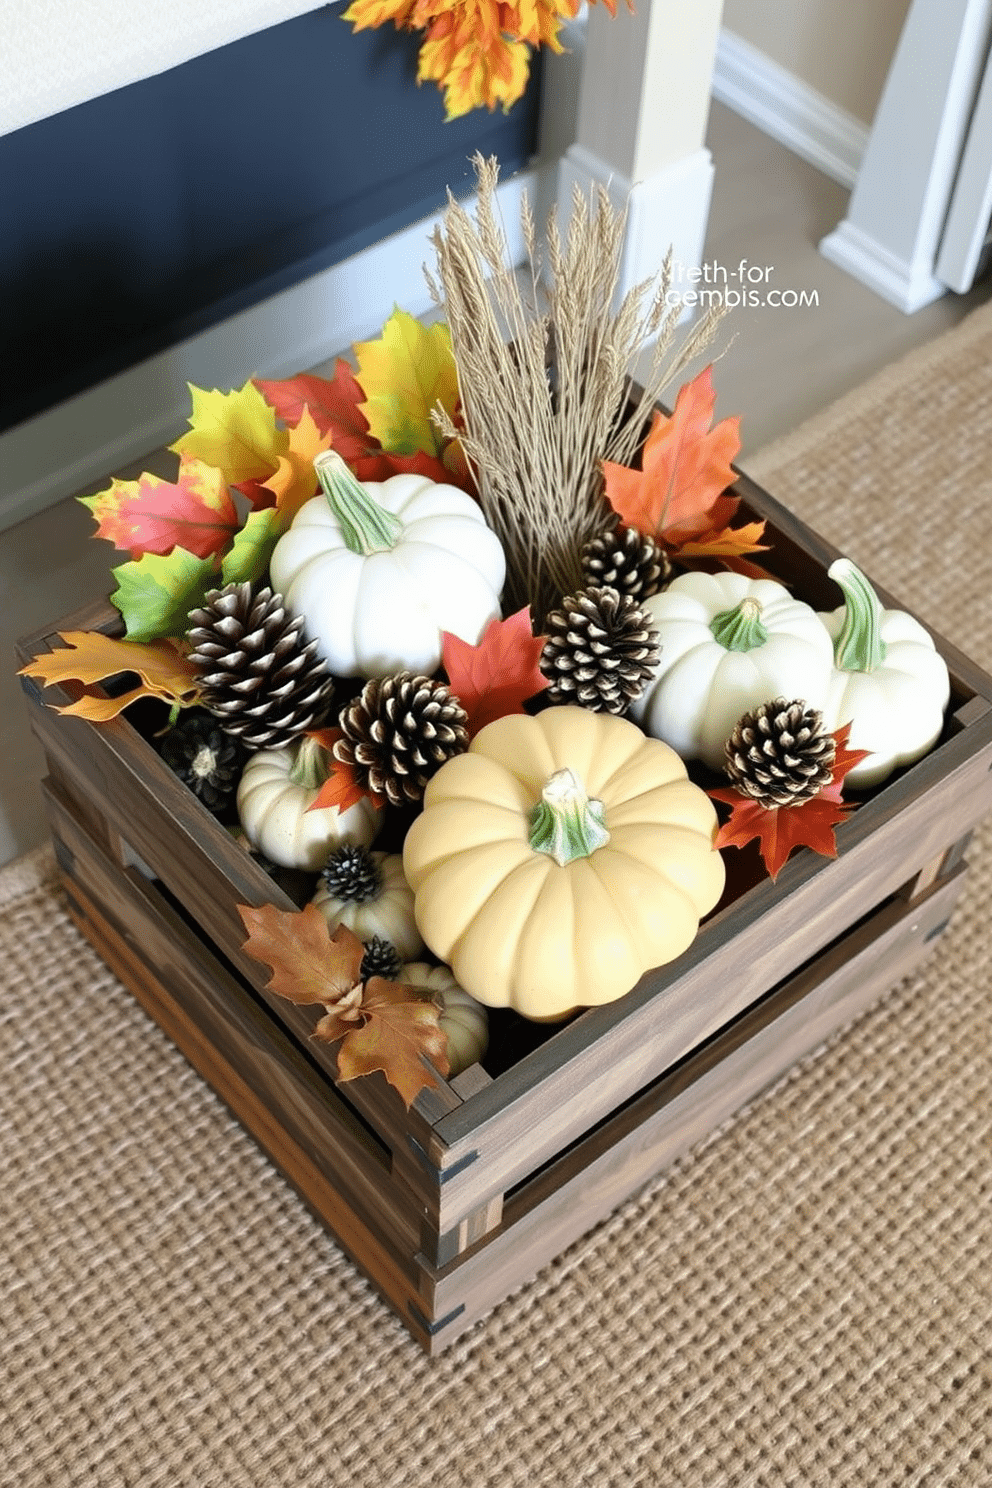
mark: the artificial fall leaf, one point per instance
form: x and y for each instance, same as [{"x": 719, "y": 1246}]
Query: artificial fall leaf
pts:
[
  {"x": 235, "y": 431},
  {"x": 152, "y": 515},
  {"x": 784, "y": 828},
  {"x": 382, "y": 1026},
  {"x": 90, "y": 656},
  {"x": 498, "y": 675},
  {"x": 308, "y": 964},
  {"x": 335, "y": 406},
  {"x": 400, "y": 1029},
  {"x": 403, "y": 374},
  {"x": 677, "y": 496},
  {"x": 247, "y": 559},
  {"x": 340, "y": 789},
  {"x": 155, "y": 594},
  {"x": 294, "y": 480}
]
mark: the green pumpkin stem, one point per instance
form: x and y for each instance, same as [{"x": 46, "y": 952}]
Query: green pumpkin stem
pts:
[
  {"x": 859, "y": 646},
  {"x": 367, "y": 527},
  {"x": 565, "y": 823},
  {"x": 740, "y": 629},
  {"x": 309, "y": 769}
]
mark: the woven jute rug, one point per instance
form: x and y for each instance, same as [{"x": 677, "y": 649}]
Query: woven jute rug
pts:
[{"x": 805, "y": 1299}]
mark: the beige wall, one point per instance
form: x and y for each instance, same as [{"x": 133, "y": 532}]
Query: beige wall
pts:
[{"x": 842, "y": 48}]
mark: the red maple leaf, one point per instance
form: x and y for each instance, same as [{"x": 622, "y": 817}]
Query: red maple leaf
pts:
[
  {"x": 782, "y": 828},
  {"x": 152, "y": 515},
  {"x": 678, "y": 495},
  {"x": 498, "y": 675},
  {"x": 340, "y": 789}
]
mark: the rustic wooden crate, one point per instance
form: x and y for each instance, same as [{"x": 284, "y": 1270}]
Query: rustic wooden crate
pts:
[{"x": 449, "y": 1206}]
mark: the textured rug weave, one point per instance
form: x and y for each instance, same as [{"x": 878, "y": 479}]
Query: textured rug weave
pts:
[{"x": 805, "y": 1299}]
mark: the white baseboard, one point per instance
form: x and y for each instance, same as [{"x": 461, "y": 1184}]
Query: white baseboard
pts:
[
  {"x": 108, "y": 427},
  {"x": 789, "y": 110},
  {"x": 895, "y": 279},
  {"x": 669, "y": 210}
]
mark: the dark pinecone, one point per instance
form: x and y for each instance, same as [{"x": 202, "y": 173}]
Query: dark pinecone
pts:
[
  {"x": 381, "y": 959},
  {"x": 627, "y": 560},
  {"x": 780, "y": 754},
  {"x": 600, "y": 652},
  {"x": 398, "y": 732},
  {"x": 261, "y": 679},
  {"x": 205, "y": 758},
  {"x": 352, "y": 873}
]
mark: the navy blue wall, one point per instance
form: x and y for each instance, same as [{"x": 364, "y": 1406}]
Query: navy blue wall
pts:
[{"x": 142, "y": 217}]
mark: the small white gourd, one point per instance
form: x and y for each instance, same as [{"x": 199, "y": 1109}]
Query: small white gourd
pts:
[
  {"x": 889, "y": 681},
  {"x": 464, "y": 1020},
  {"x": 728, "y": 644},
  {"x": 378, "y": 569},
  {"x": 368, "y": 892},
  {"x": 276, "y": 790}
]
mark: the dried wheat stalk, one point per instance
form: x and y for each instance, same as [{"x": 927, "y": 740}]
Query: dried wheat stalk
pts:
[{"x": 544, "y": 376}]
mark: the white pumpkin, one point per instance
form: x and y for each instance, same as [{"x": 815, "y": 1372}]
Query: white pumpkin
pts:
[
  {"x": 465, "y": 1021},
  {"x": 379, "y": 569},
  {"x": 728, "y": 643},
  {"x": 276, "y": 790},
  {"x": 889, "y": 681},
  {"x": 375, "y": 900}
]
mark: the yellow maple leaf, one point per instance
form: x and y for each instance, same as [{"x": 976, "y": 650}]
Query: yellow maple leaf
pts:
[
  {"x": 235, "y": 431},
  {"x": 90, "y": 656},
  {"x": 294, "y": 481},
  {"x": 403, "y": 375}
]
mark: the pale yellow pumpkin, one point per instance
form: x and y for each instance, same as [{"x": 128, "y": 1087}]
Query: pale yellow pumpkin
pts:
[
  {"x": 463, "y": 1019},
  {"x": 560, "y": 858}
]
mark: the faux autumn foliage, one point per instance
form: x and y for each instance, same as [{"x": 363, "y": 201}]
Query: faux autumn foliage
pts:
[
  {"x": 678, "y": 495},
  {"x": 380, "y": 1025},
  {"x": 781, "y": 829}
]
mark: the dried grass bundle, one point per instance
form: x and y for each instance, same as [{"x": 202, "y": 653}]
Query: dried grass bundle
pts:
[{"x": 543, "y": 373}]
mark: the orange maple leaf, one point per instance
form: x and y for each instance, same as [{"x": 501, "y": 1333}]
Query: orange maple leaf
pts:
[
  {"x": 497, "y": 676},
  {"x": 677, "y": 496},
  {"x": 333, "y": 404},
  {"x": 294, "y": 480},
  {"x": 164, "y": 672},
  {"x": 781, "y": 829},
  {"x": 153, "y": 515},
  {"x": 340, "y": 789}
]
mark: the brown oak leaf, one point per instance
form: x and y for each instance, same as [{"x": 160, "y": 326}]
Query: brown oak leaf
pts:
[{"x": 308, "y": 964}]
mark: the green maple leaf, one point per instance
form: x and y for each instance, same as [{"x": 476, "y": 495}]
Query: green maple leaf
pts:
[
  {"x": 249, "y": 554},
  {"x": 403, "y": 375},
  {"x": 156, "y": 594}
]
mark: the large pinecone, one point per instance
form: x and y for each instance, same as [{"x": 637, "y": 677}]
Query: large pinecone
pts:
[
  {"x": 398, "y": 732},
  {"x": 600, "y": 652},
  {"x": 261, "y": 679},
  {"x": 780, "y": 754},
  {"x": 627, "y": 560}
]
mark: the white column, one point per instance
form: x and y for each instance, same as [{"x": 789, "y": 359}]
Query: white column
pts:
[
  {"x": 890, "y": 236},
  {"x": 643, "y": 107}
]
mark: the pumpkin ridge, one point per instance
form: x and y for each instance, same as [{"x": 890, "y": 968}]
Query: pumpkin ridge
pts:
[{"x": 638, "y": 930}]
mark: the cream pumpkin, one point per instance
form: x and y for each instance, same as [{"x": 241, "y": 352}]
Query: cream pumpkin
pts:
[
  {"x": 560, "y": 858},
  {"x": 379, "y": 570},
  {"x": 277, "y": 789},
  {"x": 463, "y": 1019},
  {"x": 381, "y": 903}
]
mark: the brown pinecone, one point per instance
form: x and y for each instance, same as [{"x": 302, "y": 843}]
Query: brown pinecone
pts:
[
  {"x": 398, "y": 732},
  {"x": 627, "y": 560},
  {"x": 262, "y": 681},
  {"x": 780, "y": 754},
  {"x": 600, "y": 652}
]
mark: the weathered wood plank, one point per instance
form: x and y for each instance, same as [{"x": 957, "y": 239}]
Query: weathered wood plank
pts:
[{"x": 560, "y": 1205}]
